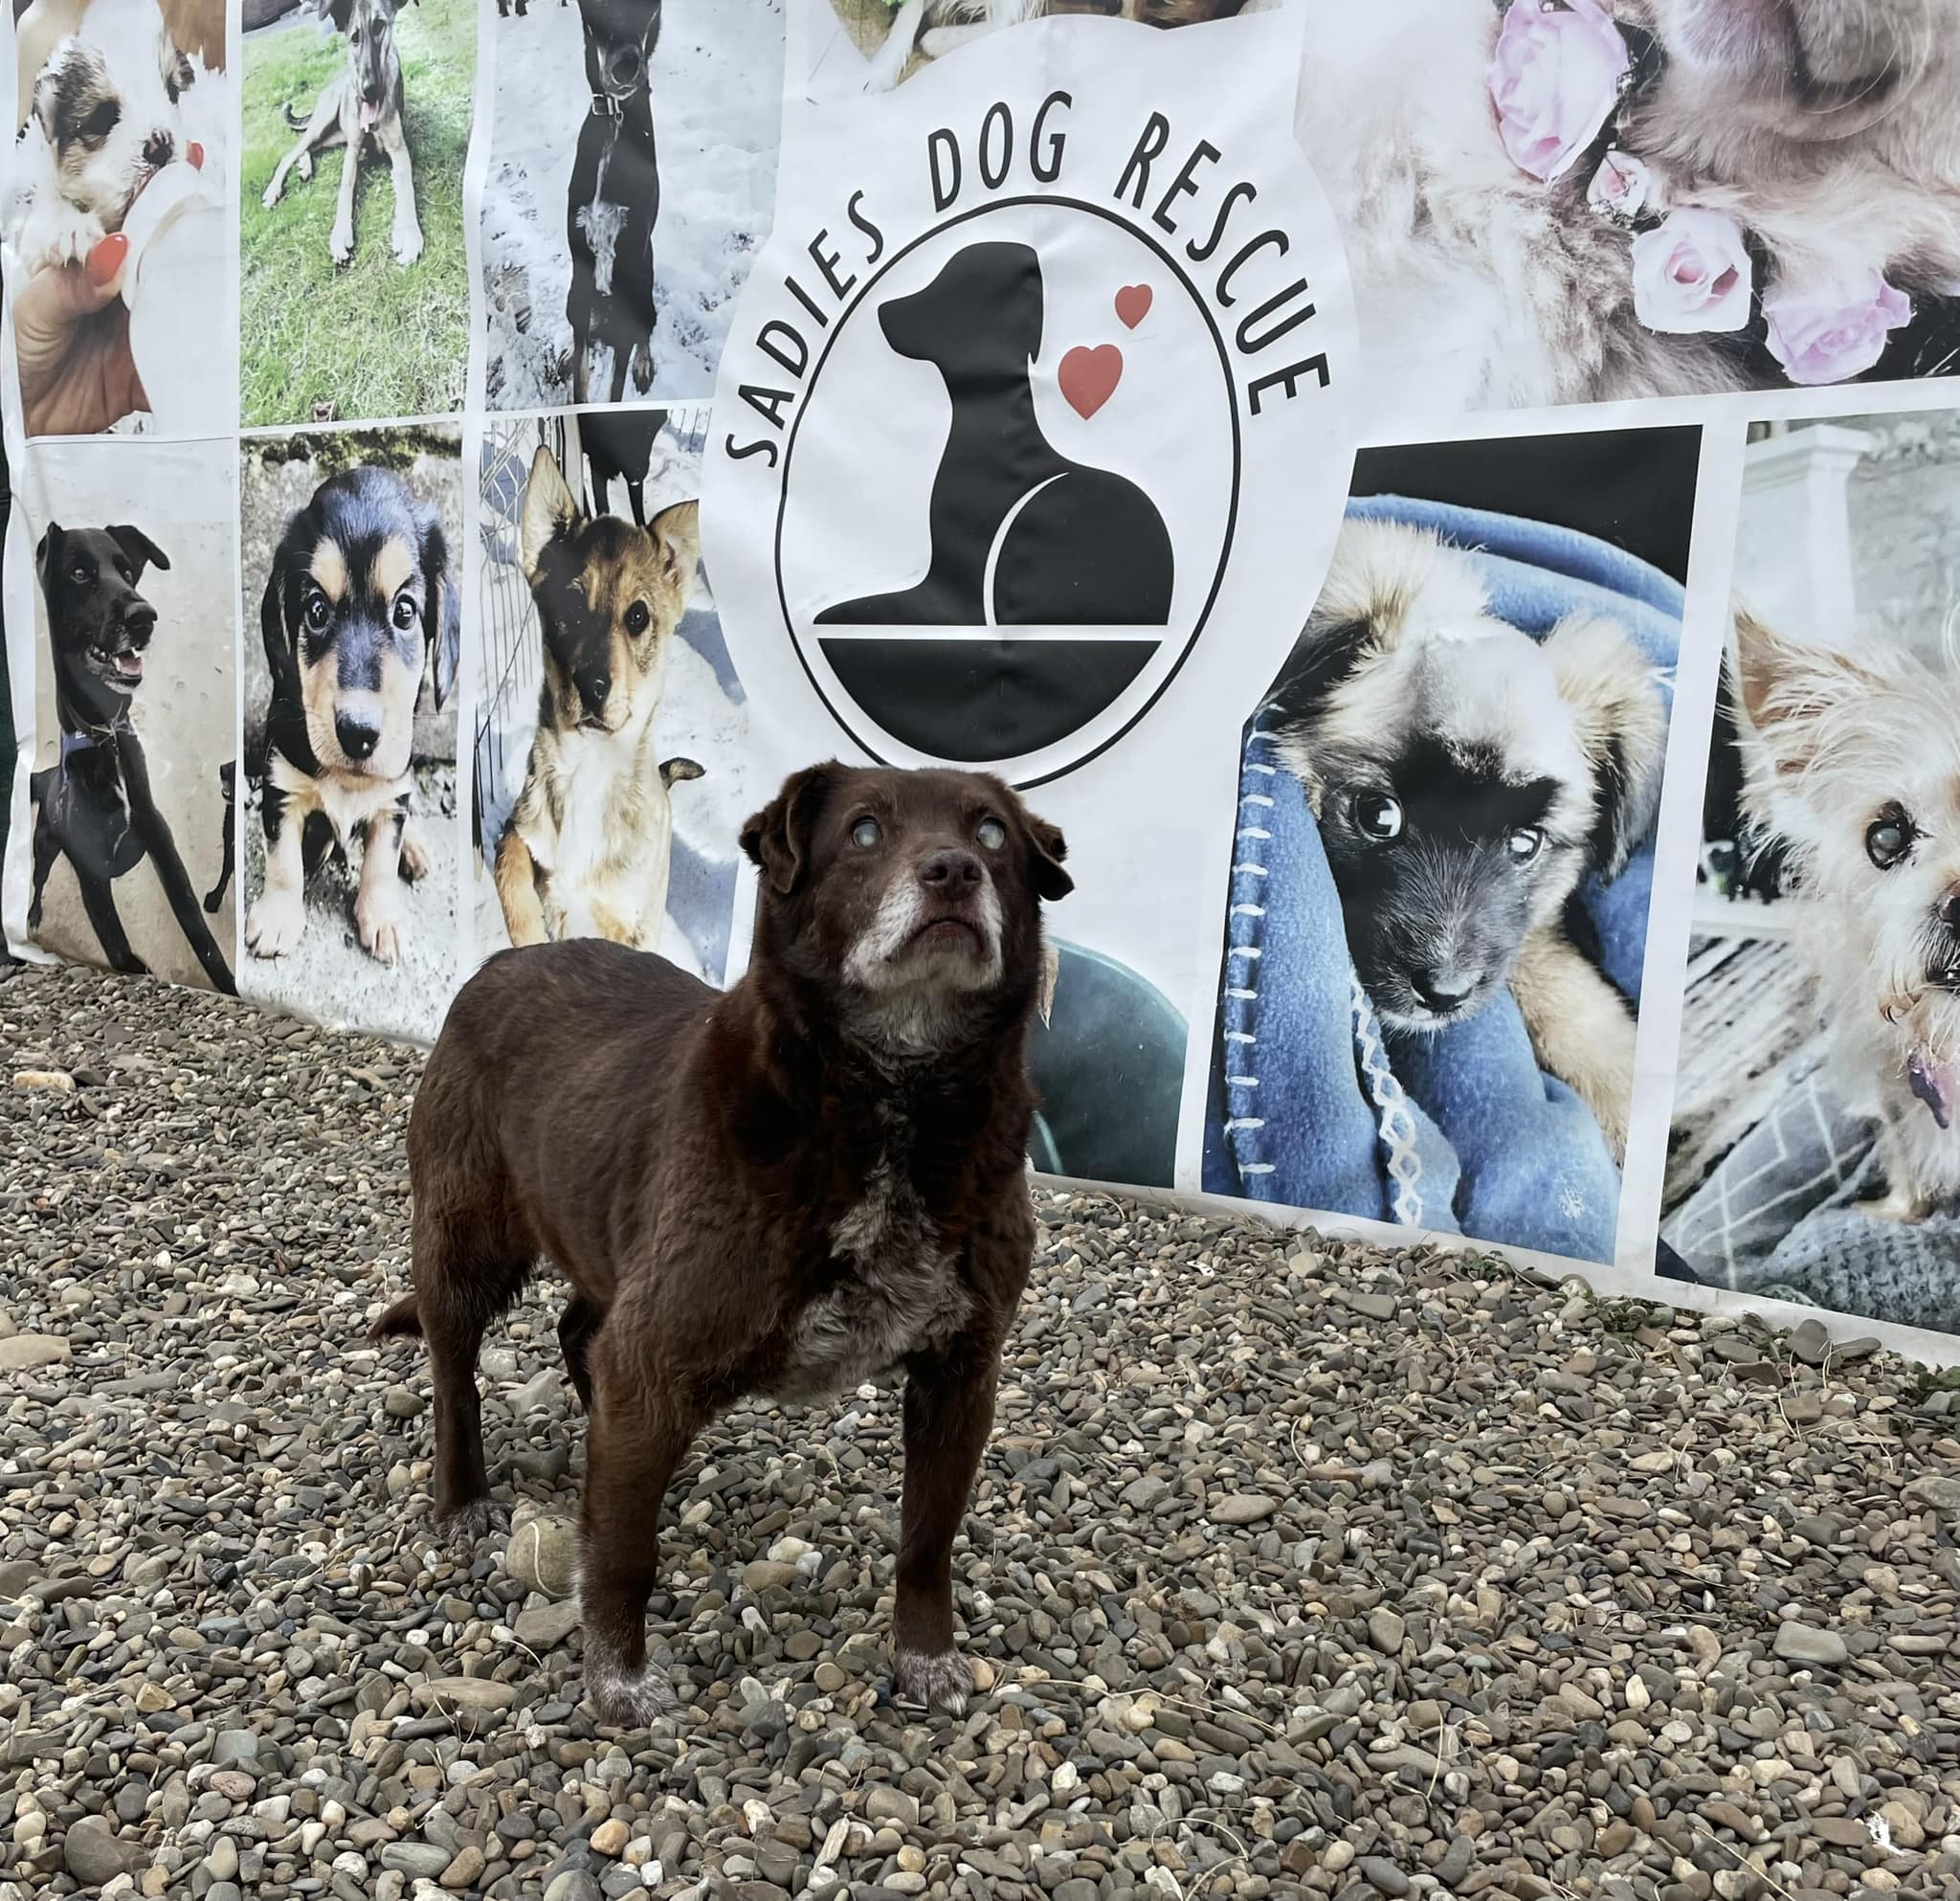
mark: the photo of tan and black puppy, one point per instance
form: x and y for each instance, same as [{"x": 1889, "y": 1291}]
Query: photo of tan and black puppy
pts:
[
  {"x": 1464, "y": 777},
  {"x": 346, "y": 782},
  {"x": 1849, "y": 763},
  {"x": 586, "y": 850}
]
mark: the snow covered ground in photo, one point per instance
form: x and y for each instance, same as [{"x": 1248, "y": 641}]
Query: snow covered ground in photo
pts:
[{"x": 718, "y": 86}]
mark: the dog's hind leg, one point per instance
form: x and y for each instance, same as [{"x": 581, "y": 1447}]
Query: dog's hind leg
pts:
[
  {"x": 321, "y": 129},
  {"x": 582, "y": 1320},
  {"x": 639, "y": 1433},
  {"x": 47, "y": 850},
  {"x": 889, "y": 67},
  {"x": 215, "y": 896}
]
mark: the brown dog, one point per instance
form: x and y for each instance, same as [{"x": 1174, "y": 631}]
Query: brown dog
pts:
[{"x": 782, "y": 1189}]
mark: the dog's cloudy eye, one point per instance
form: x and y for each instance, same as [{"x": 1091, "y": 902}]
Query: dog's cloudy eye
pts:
[
  {"x": 991, "y": 834},
  {"x": 78, "y": 574},
  {"x": 319, "y": 611},
  {"x": 637, "y": 618},
  {"x": 1522, "y": 844},
  {"x": 405, "y": 612},
  {"x": 865, "y": 834},
  {"x": 1888, "y": 838},
  {"x": 1377, "y": 816}
]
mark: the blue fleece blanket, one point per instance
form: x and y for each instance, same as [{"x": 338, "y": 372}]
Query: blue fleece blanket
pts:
[{"x": 1314, "y": 1103}]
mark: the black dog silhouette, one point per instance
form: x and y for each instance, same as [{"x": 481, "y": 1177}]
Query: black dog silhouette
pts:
[{"x": 1067, "y": 544}]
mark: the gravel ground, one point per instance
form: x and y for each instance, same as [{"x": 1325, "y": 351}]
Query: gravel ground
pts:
[{"x": 1296, "y": 1568}]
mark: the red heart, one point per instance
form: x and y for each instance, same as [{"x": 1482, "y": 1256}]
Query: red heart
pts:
[
  {"x": 1088, "y": 377},
  {"x": 1133, "y": 304}
]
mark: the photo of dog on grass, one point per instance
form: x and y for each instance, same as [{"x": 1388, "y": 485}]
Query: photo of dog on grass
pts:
[
  {"x": 1439, "y": 901},
  {"x": 124, "y": 860},
  {"x": 608, "y": 765},
  {"x": 352, "y": 603},
  {"x": 354, "y": 287},
  {"x": 1814, "y": 1152},
  {"x": 122, "y": 104},
  {"x": 632, "y": 159}
]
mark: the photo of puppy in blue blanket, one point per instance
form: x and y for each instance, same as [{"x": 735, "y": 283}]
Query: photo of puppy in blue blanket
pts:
[{"x": 1440, "y": 879}]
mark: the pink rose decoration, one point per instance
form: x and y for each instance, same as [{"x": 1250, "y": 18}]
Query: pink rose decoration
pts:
[
  {"x": 1555, "y": 78},
  {"x": 1622, "y": 188},
  {"x": 1826, "y": 329},
  {"x": 1692, "y": 273}
]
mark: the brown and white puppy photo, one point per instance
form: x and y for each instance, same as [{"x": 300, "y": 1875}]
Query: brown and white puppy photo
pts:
[
  {"x": 585, "y": 853},
  {"x": 351, "y": 769},
  {"x": 785, "y": 1189}
]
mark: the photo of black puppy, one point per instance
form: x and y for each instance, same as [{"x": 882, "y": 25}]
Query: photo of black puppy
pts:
[
  {"x": 629, "y": 171},
  {"x": 95, "y": 807}
]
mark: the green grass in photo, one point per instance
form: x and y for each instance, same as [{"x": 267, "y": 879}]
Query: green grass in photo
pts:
[{"x": 373, "y": 338}]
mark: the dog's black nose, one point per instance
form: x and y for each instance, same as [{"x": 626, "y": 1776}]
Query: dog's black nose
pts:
[
  {"x": 139, "y": 621},
  {"x": 949, "y": 870},
  {"x": 357, "y": 738},
  {"x": 1439, "y": 994},
  {"x": 159, "y": 150},
  {"x": 594, "y": 685}
]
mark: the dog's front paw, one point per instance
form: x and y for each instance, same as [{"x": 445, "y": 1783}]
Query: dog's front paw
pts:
[
  {"x": 58, "y": 234},
  {"x": 465, "y": 1526},
  {"x": 414, "y": 861},
  {"x": 383, "y": 925},
  {"x": 340, "y": 244},
  {"x": 276, "y": 924},
  {"x": 623, "y": 1701},
  {"x": 940, "y": 1682},
  {"x": 407, "y": 242}
]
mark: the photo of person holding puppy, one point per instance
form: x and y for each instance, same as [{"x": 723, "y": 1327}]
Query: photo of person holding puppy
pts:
[
  {"x": 1815, "y": 1154},
  {"x": 1438, "y": 910},
  {"x": 115, "y": 235}
]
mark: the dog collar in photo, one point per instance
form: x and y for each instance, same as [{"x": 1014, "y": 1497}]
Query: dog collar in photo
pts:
[{"x": 606, "y": 106}]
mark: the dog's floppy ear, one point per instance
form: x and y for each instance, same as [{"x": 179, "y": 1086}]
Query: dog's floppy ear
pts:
[
  {"x": 1383, "y": 579},
  {"x": 442, "y": 611},
  {"x": 138, "y": 547},
  {"x": 1621, "y": 725},
  {"x": 337, "y": 11},
  {"x": 48, "y": 554},
  {"x": 676, "y": 535},
  {"x": 1047, "y": 848},
  {"x": 777, "y": 838},
  {"x": 550, "y": 510},
  {"x": 1786, "y": 689},
  {"x": 278, "y": 636}
]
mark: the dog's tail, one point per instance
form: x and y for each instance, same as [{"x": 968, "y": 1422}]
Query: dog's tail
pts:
[
  {"x": 298, "y": 120},
  {"x": 674, "y": 770},
  {"x": 402, "y": 1318}
]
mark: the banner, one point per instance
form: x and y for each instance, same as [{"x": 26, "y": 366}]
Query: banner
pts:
[{"x": 1450, "y": 510}]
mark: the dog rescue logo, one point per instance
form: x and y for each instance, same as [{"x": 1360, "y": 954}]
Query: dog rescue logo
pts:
[{"x": 1037, "y": 390}]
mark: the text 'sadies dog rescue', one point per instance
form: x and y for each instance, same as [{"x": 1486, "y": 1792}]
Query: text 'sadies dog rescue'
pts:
[{"x": 1448, "y": 508}]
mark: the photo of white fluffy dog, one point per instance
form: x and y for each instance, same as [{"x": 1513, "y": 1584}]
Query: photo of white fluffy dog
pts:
[{"x": 1852, "y": 761}]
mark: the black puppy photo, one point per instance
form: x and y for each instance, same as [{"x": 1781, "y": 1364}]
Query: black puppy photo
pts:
[
  {"x": 631, "y": 166},
  {"x": 347, "y": 862},
  {"x": 95, "y": 807}
]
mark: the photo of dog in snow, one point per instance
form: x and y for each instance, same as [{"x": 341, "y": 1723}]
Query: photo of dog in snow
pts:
[
  {"x": 1438, "y": 908},
  {"x": 1562, "y": 201},
  {"x": 632, "y": 173},
  {"x": 115, "y": 95},
  {"x": 125, "y": 856},
  {"x": 609, "y": 767},
  {"x": 352, "y": 582},
  {"x": 1814, "y": 1152},
  {"x": 354, "y": 285}
]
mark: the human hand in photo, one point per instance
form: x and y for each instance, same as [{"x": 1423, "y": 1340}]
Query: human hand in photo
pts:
[{"x": 72, "y": 331}]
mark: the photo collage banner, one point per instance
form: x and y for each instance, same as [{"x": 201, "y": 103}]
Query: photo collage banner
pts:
[{"x": 1454, "y": 511}]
